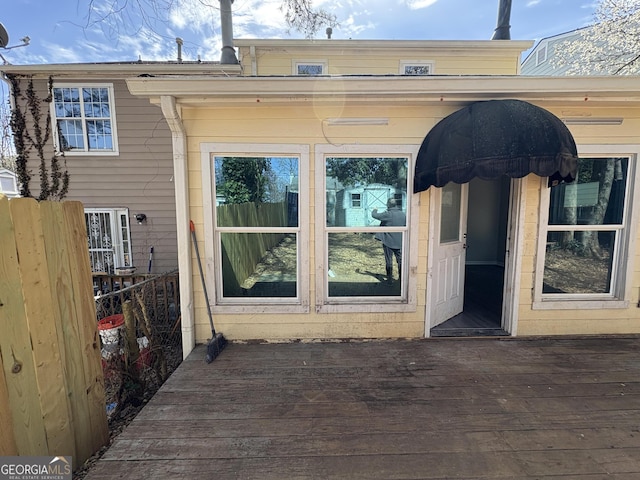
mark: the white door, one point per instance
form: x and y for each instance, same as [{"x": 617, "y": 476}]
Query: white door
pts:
[{"x": 449, "y": 254}]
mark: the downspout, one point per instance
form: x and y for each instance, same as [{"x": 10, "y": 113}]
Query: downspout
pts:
[
  {"x": 502, "y": 31},
  {"x": 181, "y": 180},
  {"x": 228, "y": 56}
]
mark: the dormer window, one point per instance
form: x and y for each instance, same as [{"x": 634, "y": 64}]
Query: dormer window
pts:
[{"x": 416, "y": 68}]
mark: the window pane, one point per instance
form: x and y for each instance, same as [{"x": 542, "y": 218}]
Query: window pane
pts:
[
  {"x": 596, "y": 198},
  {"x": 309, "y": 69},
  {"x": 96, "y": 102},
  {"x": 357, "y": 266},
  {"x": 578, "y": 262},
  {"x": 99, "y": 135},
  {"x": 70, "y": 134},
  {"x": 450, "y": 213},
  {"x": 355, "y": 187},
  {"x": 417, "y": 69},
  {"x": 259, "y": 265},
  {"x": 256, "y": 192},
  {"x": 67, "y": 102}
]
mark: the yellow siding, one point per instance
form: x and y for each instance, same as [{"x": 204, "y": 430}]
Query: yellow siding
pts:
[
  {"x": 304, "y": 124},
  {"x": 584, "y": 321},
  {"x": 376, "y": 61}
]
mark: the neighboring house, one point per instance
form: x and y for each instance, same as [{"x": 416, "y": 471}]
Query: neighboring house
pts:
[
  {"x": 9, "y": 183},
  {"x": 118, "y": 153},
  {"x": 285, "y": 267},
  {"x": 540, "y": 60}
]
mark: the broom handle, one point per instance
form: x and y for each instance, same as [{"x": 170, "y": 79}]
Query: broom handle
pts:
[{"x": 192, "y": 227}]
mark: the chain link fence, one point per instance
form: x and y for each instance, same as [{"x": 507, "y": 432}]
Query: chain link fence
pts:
[{"x": 141, "y": 342}]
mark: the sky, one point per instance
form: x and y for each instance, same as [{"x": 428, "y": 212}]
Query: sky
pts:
[{"x": 67, "y": 31}]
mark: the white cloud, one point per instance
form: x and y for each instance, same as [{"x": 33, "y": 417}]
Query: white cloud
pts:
[
  {"x": 418, "y": 4},
  {"x": 532, "y": 3}
]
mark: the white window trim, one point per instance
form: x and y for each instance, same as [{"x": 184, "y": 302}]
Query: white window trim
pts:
[
  {"x": 112, "y": 110},
  {"x": 295, "y": 63},
  {"x": 623, "y": 268},
  {"x": 407, "y": 302},
  {"x": 116, "y": 234},
  {"x": 418, "y": 63},
  {"x": 212, "y": 254}
]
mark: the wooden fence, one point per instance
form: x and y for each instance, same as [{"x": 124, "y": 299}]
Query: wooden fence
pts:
[
  {"x": 241, "y": 252},
  {"x": 52, "y": 399}
]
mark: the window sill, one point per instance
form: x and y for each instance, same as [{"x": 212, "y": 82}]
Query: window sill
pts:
[
  {"x": 580, "y": 304},
  {"x": 259, "y": 308},
  {"x": 89, "y": 153}
]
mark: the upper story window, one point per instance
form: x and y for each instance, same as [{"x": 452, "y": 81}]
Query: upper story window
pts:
[
  {"x": 84, "y": 119},
  {"x": 584, "y": 248},
  {"x": 409, "y": 67},
  {"x": 309, "y": 68}
]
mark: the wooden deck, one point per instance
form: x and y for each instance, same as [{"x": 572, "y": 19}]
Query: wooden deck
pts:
[{"x": 426, "y": 409}]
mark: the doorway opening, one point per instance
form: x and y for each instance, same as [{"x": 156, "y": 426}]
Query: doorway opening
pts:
[{"x": 484, "y": 233}]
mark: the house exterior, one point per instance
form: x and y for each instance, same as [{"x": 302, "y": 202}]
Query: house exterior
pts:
[
  {"x": 264, "y": 153},
  {"x": 314, "y": 108},
  {"x": 118, "y": 155}
]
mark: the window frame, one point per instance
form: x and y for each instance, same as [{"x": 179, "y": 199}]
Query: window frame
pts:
[
  {"x": 416, "y": 63},
  {"x": 407, "y": 301},
  {"x": 622, "y": 267},
  {"x": 212, "y": 250},
  {"x": 112, "y": 118},
  {"x": 296, "y": 63},
  {"x": 116, "y": 215}
]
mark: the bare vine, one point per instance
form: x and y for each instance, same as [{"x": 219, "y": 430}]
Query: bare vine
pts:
[{"x": 31, "y": 134}]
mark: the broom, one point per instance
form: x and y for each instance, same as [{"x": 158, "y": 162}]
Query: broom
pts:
[{"x": 217, "y": 342}]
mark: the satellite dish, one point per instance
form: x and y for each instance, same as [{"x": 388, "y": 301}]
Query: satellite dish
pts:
[{"x": 4, "y": 36}]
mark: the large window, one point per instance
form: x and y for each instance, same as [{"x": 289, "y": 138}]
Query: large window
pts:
[
  {"x": 584, "y": 253},
  {"x": 259, "y": 238},
  {"x": 109, "y": 239},
  {"x": 363, "y": 248},
  {"x": 84, "y": 119}
]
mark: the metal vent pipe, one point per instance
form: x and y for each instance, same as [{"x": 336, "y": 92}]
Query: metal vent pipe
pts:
[
  {"x": 228, "y": 56},
  {"x": 502, "y": 31}
]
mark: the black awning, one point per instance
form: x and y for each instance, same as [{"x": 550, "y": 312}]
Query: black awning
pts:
[{"x": 494, "y": 138}]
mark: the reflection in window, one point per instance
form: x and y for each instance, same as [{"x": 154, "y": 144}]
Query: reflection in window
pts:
[
  {"x": 585, "y": 226},
  {"x": 366, "y": 224},
  {"x": 257, "y": 218},
  {"x": 259, "y": 264},
  {"x": 83, "y": 118}
]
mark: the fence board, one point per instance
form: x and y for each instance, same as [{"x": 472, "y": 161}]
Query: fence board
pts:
[
  {"x": 7, "y": 439},
  {"x": 41, "y": 311},
  {"x": 15, "y": 345},
  {"x": 51, "y": 384},
  {"x": 57, "y": 249},
  {"x": 82, "y": 282}
]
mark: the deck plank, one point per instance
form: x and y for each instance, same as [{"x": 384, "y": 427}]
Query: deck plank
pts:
[{"x": 432, "y": 409}]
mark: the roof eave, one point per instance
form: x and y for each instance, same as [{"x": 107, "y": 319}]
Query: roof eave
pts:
[{"x": 431, "y": 89}]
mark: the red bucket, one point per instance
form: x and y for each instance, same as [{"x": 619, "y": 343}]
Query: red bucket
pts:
[{"x": 113, "y": 321}]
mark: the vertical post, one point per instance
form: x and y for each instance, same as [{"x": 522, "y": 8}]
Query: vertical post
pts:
[{"x": 132, "y": 351}]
